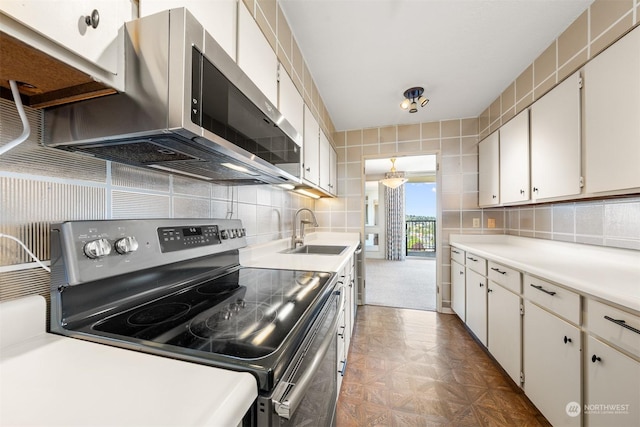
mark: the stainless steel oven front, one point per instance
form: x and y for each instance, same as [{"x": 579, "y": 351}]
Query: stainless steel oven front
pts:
[{"x": 307, "y": 393}]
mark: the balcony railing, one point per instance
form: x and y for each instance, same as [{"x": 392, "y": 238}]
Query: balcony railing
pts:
[{"x": 421, "y": 237}]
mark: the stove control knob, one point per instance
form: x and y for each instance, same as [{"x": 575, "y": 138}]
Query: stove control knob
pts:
[
  {"x": 126, "y": 245},
  {"x": 224, "y": 235},
  {"x": 97, "y": 248}
]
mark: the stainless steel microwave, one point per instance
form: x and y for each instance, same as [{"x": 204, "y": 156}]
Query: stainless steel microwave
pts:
[{"x": 187, "y": 109}]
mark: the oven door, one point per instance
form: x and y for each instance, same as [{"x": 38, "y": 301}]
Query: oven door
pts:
[{"x": 307, "y": 393}]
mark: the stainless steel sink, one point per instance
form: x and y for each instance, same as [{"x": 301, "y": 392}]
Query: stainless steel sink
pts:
[{"x": 316, "y": 250}]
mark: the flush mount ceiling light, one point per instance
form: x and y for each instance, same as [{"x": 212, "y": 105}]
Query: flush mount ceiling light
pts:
[
  {"x": 393, "y": 179},
  {"x": 410, "y": 97}
]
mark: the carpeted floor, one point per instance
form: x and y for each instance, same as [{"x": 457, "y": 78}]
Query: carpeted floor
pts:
[{"x": 403, "y": 284}]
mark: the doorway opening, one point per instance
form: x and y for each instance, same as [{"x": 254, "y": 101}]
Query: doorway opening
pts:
[{"x": 410, "y": 281}]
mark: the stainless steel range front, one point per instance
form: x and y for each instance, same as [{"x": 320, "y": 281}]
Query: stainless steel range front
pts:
[{"x": 175, "y": 288}]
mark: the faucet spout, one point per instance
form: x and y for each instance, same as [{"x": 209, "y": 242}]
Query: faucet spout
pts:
[{"x": 295, "y": 239}]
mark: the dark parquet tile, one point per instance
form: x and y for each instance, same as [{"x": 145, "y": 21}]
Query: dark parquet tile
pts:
[{"x": 418, "y": 368}]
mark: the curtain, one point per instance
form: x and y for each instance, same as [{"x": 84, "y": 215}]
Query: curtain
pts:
[{"x": 394, "y": 210}]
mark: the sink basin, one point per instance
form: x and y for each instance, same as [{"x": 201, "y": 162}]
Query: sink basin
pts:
[{"x": 316, "y": 250}]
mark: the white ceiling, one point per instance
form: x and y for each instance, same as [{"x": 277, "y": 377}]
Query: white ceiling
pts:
[{"x": 363, "y": 54}]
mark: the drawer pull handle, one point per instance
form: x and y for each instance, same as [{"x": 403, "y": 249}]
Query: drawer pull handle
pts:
[
  {"x": 455, "y": 252},
  {"x": 567, "y": 339},
  {"x": 497, "y": 270},
  {"x": 595, "y": 359},
  {"x": 344, "y": 367},
  {"x": 622, "y": 323},
  {"x": 472, "y": 259},
  {"x": 540, "y": 288}
]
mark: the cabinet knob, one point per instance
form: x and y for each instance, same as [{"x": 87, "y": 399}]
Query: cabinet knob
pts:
[
  {"x": 493, "y": 196},
  {"x": 93, "y": 20},
  {"x": 535, "y": 189},
  {"x": 522, "y": 192},
  {"x": 566, "y": 339},
  {"x": 308, "y": 169},
  {"x": 595, "y": 359},
  {"x": 481, "y": 285},
  {"x": 489, "y": 290}
]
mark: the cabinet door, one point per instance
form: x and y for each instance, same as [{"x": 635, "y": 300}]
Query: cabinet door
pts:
[
  {"x": 255, "y": 55},
  {"x": 612, "y": 108},
  {"x": 489, "y": 171},
  {"x": 476, "y": 299},
  {"x": 333, "y": 171},
  {"x": 342, "y": 349},
  {"x": 514, "y": 159},
  {"x": 555, "y": 141},
  {"x": 325, "y": 172},
  {"x": 290, "y": 102},
  {"x": 611, "y": 378},
  {"x": 217, "y": 17},
  {"x": 552, "y": 374},
  {"x": 458, "y": 290},
  {"x": 311, "y": 147},
  {"x": 64, "y": 23},
  {"x": 504, "y": 329}
]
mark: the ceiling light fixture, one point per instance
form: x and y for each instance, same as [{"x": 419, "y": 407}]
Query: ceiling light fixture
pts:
[
  {"x": 393, "y": 179},
  {"x": 410, "y": 96}
]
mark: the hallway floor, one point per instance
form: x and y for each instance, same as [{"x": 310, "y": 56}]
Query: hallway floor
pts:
[{"x": 421, "y": 368}]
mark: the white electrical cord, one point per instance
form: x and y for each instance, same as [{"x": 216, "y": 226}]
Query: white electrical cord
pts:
[
  {"x": 25, "y": 123},
  {"x": 28, "y": 251}
]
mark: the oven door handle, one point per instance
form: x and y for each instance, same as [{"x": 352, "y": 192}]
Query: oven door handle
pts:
[{"x": 297, "y": 391}]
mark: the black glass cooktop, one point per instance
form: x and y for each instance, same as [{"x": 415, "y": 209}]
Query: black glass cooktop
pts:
[{"x": 245, "y": 314}]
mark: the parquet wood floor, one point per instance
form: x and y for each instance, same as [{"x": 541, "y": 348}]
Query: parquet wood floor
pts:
[{"x": 421, "y": 368}]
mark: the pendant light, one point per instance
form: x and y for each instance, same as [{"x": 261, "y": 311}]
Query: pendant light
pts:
[{"x": 393, "y": 179}]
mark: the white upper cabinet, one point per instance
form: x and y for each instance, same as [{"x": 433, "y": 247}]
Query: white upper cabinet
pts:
[
  {"x": 489, "y": 171},
  {"x": 290, "y": 102},
  {"x": 255, "y": 56},
  {"x": 514, "y": 159},
  {"x": 88, "y": 28},
  {"x": 612, "y": 112},
  {"x": 311, "y": 148},
  {"x": 555, "y": 142},
  {"x": 328, "y": 157},
  {"x": 217, "y": 17},
  {"x": 333, "y": 171}
]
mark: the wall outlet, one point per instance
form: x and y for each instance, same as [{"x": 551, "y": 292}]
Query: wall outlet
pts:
[
  {"x": 491, "y": 222},
  {"x": 476, "y": 222}
]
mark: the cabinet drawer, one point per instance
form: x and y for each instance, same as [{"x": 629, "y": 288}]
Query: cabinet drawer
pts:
[
  {"x": 457, "y": 255},
  {"x": 614, "y": 325},
  {"x": 476, "y": 263},
  {"x": 505, "y": 276},
  {"x": 554, "y": 298}
]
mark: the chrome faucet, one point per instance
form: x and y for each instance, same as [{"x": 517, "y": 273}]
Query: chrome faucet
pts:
[{"x": 295, "y": 239}]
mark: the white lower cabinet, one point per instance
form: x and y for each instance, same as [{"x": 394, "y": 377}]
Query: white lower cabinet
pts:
[
  {"x": 342, "y": 349},
  {"x": 458, "y": 290},
  {"x": 476, "y": 304},
  {"x": 505, "y": 329},
  {"x": 612, "y": 387},
  {"x": 552, "y": 368}
]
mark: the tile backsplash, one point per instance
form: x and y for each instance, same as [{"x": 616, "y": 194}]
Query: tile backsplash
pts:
[{"x": 608, "y": 222}]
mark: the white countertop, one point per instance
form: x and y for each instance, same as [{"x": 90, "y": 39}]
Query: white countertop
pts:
[
  {"x": 47, "y": 379},
  {"x": 610, "y": 274},
  {"x": 269, "y": 255}
]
